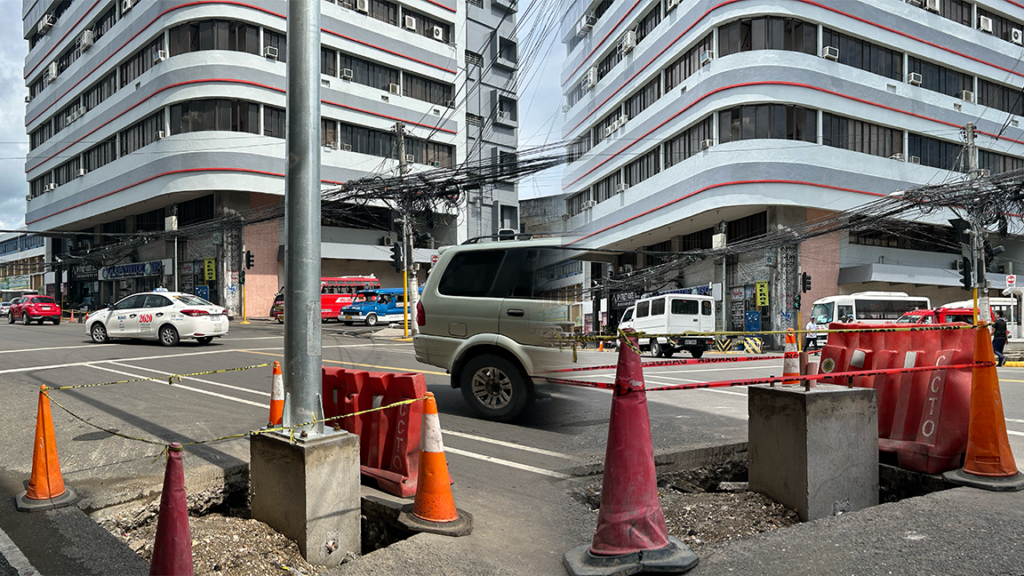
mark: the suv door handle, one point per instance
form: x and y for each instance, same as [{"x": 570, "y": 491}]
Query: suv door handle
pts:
[{"x": 515, "y": 312}]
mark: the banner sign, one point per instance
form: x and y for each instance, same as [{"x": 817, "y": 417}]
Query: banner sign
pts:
[
  {"x": 139, "y": 270},
  {"x": 210, "y": 268}
]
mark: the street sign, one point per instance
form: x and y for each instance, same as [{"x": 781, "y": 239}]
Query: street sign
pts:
[
  {"x": 210, "y": 268},
  {"x": 1011, "y": 281},
  {"x": 433, "y": 259}
]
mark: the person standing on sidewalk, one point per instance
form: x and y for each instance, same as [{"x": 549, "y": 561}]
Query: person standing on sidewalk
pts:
[
  {"x": 809, "y": 335},
  {"x": 999, "y": 338}
]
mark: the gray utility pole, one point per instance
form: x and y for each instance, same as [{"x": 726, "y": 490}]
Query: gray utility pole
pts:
[
  {"x": 977, "y": 230},
  {"x": 302, "y": 352},
  {"x": 408, "y": 230}
]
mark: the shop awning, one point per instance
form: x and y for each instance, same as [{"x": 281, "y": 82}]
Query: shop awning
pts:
[{"x": 920, "y": 276}]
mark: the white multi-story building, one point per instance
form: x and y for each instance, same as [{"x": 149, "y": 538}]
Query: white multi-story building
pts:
[
  {"x": 689, "y": 119},
  {"x": 143, "y": 109}
]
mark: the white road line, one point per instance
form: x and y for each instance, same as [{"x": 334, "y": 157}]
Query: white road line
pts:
[
  {"x": 1015, "y": 421},
  {"x": 508, "y": 463},
  {"x": 189, "y": 388},
  {"x": 210, "y": 382},
  {"x": 723, "y": 392},
  {"x": 58, "y": 348},
  {"x": 14, "y": 557},
  {"x": 508, "y": 444},
  {"x": 1014, "y": 433},
  {"x": 91, "y": 362},
  {"x": 693, "y": 370}
]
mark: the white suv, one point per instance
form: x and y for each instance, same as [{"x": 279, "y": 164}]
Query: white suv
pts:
[{"x": 481, "y": 318}]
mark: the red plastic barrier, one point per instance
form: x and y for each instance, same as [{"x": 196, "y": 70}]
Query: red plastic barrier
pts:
[
  {"x": 388, "y": 439},
  {"x": 922, "y": 416}
]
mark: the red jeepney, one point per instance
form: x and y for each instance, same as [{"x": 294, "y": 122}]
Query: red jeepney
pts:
[{"x": 335, "y": 294}]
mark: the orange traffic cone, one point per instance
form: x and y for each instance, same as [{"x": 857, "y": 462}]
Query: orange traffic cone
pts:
[
  {"x": 434, "y": 509},
  {"x": 989, "y": 462},
  {"x": 600, "y": 347},
  {"x": 46, "y": 489},
  {"x": 791, "y": 359},
  {"x": 276, "y": 396},
  {"x": 631, "y": 534}
]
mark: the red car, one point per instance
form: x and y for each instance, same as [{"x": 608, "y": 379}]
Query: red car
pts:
[{"x": 35, "y": 308}]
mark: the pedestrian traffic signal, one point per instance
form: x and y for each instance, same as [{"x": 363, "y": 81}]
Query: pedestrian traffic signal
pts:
[
  {"x": 796, "y": 302},
  {"x": 805, "y": 282},
  {"x": 396, "y": 257},
  {"x": 966, "y": 278},
  {"x": 250, "y": 260}
]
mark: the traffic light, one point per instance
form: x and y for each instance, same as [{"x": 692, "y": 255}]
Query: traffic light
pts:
[
  {"x": 250, "y": 260},
  {"x": 241, "y": 277},
  {"x": 796, "y": 302},
  {"x": 396, "y": 257},
  {"x": 990, "y": 254},
  {"x": 966, "y": 278},
  {"x": 962, "y": 228},
  {"x": 805, "y": 282}
]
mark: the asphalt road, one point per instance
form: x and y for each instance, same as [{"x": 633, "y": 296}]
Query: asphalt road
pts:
[{"x": 510, "y": 476}]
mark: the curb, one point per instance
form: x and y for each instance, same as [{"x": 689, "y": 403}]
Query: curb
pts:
[{"x": 1013, "y": 364}]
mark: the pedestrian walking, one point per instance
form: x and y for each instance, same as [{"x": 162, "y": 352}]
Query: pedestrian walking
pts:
[
  {"x": 999, "y": 338},
  {"x": 809, "y": 337}
]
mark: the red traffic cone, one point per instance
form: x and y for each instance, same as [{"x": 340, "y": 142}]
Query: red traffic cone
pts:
[
  {"x": 631, "y": 534},
  {"x": 989, "y": 461},
  {"x": 276, "y": 396},
  {"x": 46, "y": 489},
  {"x": 172, "y": 550}
]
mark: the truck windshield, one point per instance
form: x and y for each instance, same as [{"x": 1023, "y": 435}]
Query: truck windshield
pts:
[{"x": 822, "y": 313}]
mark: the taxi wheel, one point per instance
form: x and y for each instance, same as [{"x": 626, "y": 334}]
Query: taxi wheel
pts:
[
  {"x": 98, "y": 333},
  {"x": 371, "y": 319},
  {"x": 168, "y": 336},
  {"x": 205, "y": 339}
]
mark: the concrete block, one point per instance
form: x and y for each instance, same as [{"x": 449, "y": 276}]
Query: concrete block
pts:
[
  {"x": 815, "y": 452},
  {"x": 309, "y": 492}
]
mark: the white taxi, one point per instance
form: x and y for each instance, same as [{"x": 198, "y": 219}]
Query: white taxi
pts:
[{"x": 165, "y": 316}]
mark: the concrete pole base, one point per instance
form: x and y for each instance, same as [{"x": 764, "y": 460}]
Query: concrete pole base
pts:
[
  {"x": 309, "y": 492},
  {"x": 675, "y": 558},
  {"x": 25, "y": 504},
  {"x": 1013, "y": 483},
  {"x": 463, "y": 526}
]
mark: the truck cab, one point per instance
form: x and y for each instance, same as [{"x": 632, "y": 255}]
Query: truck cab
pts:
[{"x": 938, "y": 316}]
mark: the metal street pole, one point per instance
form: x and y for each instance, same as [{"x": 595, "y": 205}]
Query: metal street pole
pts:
[
  {"x": 302, "y": 351},
  {"x": 981, "y": 301},
  {"x": 409, "y": 276}
]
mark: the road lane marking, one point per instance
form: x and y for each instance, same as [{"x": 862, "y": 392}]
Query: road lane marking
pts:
[
  {"x": 509, "y": 444},
  {"x": 210, "y": 382},
  {"x": 1015, "y": 421},
  {"x": 17, "y": 560},
  {"x": 508, "y": 463},
  {"x": 207, "y": 392},
  {"x": 91, "y": 362},
  {"x": 58, "y": 348},
  {"x": 1013, "y": 433},
  {"x": 352, "y": 364}
]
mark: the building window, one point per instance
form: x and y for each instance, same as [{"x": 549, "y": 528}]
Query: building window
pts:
[
  {"x": 647, "y": 95},
  {"x": 507, "y": 162},
  {"x": 143, "y": 133},
  {"x": 608, "y": 62},
  {"x": 214, "y": 35},
  {"x": 426, "y": 89},
  {"x": 607, "y": 187},
  {"x": 369, "y": 73},
  {"x": 767, "y": 33},
  {"x": 273, "y": 122},
  {"x": 937, "y": 153},
  {"x": 140, "y": 62},
  {"x": 574, "y": 203},
  {"x": 507, "y": 108},
  {"x": 66, "y": 116},
  {"x": 578, "y": 147},
  {"x": 66, "y": 172},
  {"x": 195, "y": 210},
  {"x": 105, "y": 23},
  {"x": 648, "y": 23},
  {"x": 858, "y": 136},
  {"x": 425, "y": 25},
  {"x": 956, "y": 10},
  {"x": 430, "y": 153},
  {"x": 509, "y": 217},
  {"x": 998, "y": 163},
  {"x": 689, "y": 142},
  {"x": 748, "y": 227},
  {"x": 152, "y": 221},
  {"x": 643, "y": 167},
  {"x": 601, "y": 130},
  {"x": 277, "y": 40},
  {"x": 864, "y": 55},
  {"x": 328, "y": 133},
  {"x": 576, "y": 94},
  {"x": 939, "y": 78},
  {"x": 507, "y": 50},
  {"x": 1000, "y": 97},
  {"x": 38, "y": 186},
  {"x": 328, "y": 62},
  {"x": 40, "y": 135},
  {"x": 100, "y": 155},
  {"x": 1002, "y": 27},
  {"x": 701, "y": 240},
  {"x": 101, "y": 91},
  {"x": 368, "y": 141},
  {"x": 474, "y": 59},
  {"x": 220, "y": 114},
  {"x": 767, "y": 121},
  {"x": 378, "y": 10},
  {"x": 686, "y": 64},
  {"x": 68, "y": 58}
]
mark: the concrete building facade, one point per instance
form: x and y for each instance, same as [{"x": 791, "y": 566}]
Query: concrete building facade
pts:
[
  {"x": 140, "y": 111},
  {"x": 686, "y": 120}
]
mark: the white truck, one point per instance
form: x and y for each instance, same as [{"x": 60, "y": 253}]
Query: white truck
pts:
[{"x": 673, "y": 314}]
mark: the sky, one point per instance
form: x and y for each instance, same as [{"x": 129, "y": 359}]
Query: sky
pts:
[
  {"x": 13, "y": 140},
  {"x": 540, "y": 103}
]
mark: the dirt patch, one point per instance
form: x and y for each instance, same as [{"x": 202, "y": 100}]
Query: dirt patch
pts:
[{"x": 226, "y": 545}]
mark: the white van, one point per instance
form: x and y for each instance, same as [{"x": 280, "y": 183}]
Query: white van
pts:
[
  {"x": 673, "y": 314},
  {"x": 870, "y": 307}
]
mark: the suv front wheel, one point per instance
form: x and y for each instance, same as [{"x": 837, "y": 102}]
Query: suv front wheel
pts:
[{"x": 494, "y": 387}]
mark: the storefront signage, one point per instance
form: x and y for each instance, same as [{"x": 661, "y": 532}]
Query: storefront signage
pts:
[
  {"x": 210, "y": 268},
  {"x": 762, "y": 293},
  {"x": 187, "y": 268},
  {"x": 84, "y": 272},
  {"x": 704, "y": 290},
  {"x": 139, "y": 270},
  {"x": 16, "y": 283},
  {"x": 624, "y": 299}
]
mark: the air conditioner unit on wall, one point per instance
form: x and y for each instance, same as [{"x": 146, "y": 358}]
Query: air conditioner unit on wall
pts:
[
  {"x": 897, "y": 156},
  {"x": 51, "y": 72},
  {"x": 830, "y": 53},
  {"x": 585, "y": 25},
  {"x": 589, "y": 204},
  {"x": 1017, "y": 36},
  {"x": 126, "y": 5},
  {"x": 620, "y": 188},
  {"x": 966, "y": 95},
  {"x": 51, "y": 187},
  {"x": 346, "y": 73},
  {"x": 45, "y": 23},
  {"x": 81, "y": 172},
  {"x": 590, "y": 79},
  {"x": 409, "y": 158},
  {"x": 394, "y": 88},
  {"x": 628, "y": 41},
  {"x": 387, "y": 241},
  {"x": 270, "y": 52},
  {"x": 363, "y": 6},
  {"x": 914, "y": 79},
  {"x": 706, "y": 57},
  {"x": 160, "y": 134},
  {"x": 86, "y": 41},
  {"x": 914, "y": 159},
  {"x": 410, "y": 23},
  {"x": 705, "y": 144},
  {"x": 346, "y": 147},
  {"x": 438, "y": 33},
  {"x": 672, "y": 4},
  {"x": 985, "y": 24},
  {"x": 160, "y": 56},
  {"x": 932, "y": 6}
]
